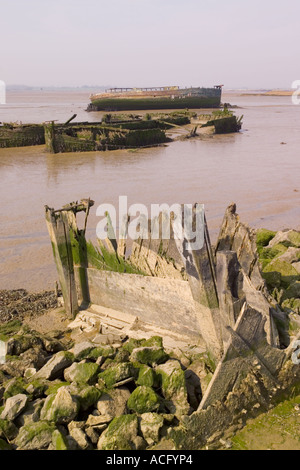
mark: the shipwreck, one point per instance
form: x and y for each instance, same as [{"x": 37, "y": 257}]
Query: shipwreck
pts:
[
  {"x": 168, "y": 97},
  {"x": 213, "y": 300}
]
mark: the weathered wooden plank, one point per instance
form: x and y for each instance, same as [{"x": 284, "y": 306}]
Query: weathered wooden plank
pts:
[
  {"x": 201, "y": 276},
  {"x": 58, "y": 228},
  {"x": 163, "y": 302}
]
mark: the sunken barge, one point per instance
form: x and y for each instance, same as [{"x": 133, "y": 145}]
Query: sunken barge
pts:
[{"x": 170, "y": 97}]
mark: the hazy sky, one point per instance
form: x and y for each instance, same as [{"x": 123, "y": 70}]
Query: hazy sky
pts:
[{"x": 238, "y": 43}]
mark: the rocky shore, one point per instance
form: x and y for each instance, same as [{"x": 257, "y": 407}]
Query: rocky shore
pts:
[{"x": 91, "y": 395}]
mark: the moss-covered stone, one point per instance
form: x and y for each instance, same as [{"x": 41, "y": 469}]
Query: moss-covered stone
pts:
[
  {"x": 8, "y": 430},
  {"x": 146, "y": 376},
  {"x": 61, "y": 408},
  {"x": 151, "y": 424},
  {"x": 173, "y": 387},
  {"x": 59, "y": 441},
  {"x": 264, "y": 236},
  {"x": 36, "y": 388},
  {"x": 87, "y": 395},
  {"x": 14, "y": 387},
  {"x": 288, "y": 273},
  {"x": 9, "y": 329},
  {"x": 149, "y": 355},
  {"x": 120, "y": 434},
  {"x": 275, "y": 251},
  {"x": 143, "y": 400},
  {"x": 132, "y": 344},
  {"x": 4, "y": 445},
  {"x": 116, "y": 373},
  {"x": 53, "y": 388},
  {"x": 35, "y": 436},
  {"x": 83, "y": 372}
]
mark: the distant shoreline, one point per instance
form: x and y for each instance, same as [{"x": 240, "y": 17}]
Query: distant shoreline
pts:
[{"x": 270, "y": 93}]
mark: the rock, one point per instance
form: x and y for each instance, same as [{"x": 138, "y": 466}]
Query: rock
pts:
[
  {"x": 61, "y": 408},
  {"x": 151, "y": 424},
  {"x": 92, "y": 435},
  {"x": 116, "y": 373},
  {"x": 31, "y": 414},
  {"x": 4, "y": 445},
  {"x": 292, "y": 255},
  {"x": 29, "y": 373},
  {"x": 82, "y": 372},
  {"x": 114, "y": 403},
  {"x": 14, "y": 406},
  {"x": 87, "y": 395},
  {"x": 292, "y": 292},
  {"x": 120, "y": 434},
  {"x": 21, "y": 343},
  {"x": 35, "y": 436},
  {"x": 81, "y": 350},
  {"x": 59, "y": 441},
  {"x": 76, "y": 425},
  {"x": 14, "y": 387},
  {"x": 36, "y": 388},
  {"x": 193, "y": 388},
  {"x": 146, "y": 376},
  {"x": 149, "y": 355},
  {"x": 80, "y": 438},
  {"x": 297, "y": 266},
  {"x": 287, "y": 272},
  {"x": 98, "y": 420},
  {"x": 55, "y": 366},
  {"x": 174, "y": 387},
  {"x": 287, "y": 238},
  {"x": 264, "y": 236},
  {"x": 8, "y": 430},
  {"x": 143, "y": 400}
]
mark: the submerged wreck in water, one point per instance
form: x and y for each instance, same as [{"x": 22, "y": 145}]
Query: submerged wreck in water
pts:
[
  {"x": 212, "y": 300},
  {"x": 116, "y": 131}
]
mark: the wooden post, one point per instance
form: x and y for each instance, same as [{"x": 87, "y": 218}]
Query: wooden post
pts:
[
  {"x": 58, "y": 228},
  {"x": 199, "y": 264},
  {"x": 70, "y": 252}
]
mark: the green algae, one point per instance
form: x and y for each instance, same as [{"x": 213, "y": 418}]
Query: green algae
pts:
[{"x": 143, "y": 400}]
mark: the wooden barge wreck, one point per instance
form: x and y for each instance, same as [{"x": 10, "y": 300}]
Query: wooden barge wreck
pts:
[
  {"x": 170, "y": 97},
  {"x": 115, "y": 131},
  {"x": 212, "y": 298}
]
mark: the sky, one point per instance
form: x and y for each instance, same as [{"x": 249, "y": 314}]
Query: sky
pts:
[{"x": 127, "y": 43}]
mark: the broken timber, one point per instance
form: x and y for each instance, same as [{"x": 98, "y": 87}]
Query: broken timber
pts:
[{"x": 195, "y": 292}]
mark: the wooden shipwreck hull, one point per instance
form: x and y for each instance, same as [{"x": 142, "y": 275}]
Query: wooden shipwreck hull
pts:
[
  {"x": 215, "y": 299},
  {"x": 117, "y": 99},
  {"x": 21, "y": 135}
]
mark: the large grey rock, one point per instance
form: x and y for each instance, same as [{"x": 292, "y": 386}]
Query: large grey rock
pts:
[
  {"x": 114, "y": 402},
  {"x": 287, "y": 238},
  {"x": 31, "y": 414},
  {"x": 80, "y": 438},
  {"x": 55, "y": 366},
  {"x": 82, "y": 372},
  {"x": 121, "y": 434},
  {"x": 173, "y": 387},
  {"x": 35, "y": 436},
  {"x": 14, "y": 406},
  {"x": 61, "y": 408},
  {"x": 151, "y": 424}
]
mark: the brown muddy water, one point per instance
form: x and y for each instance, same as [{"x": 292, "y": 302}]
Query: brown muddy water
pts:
[{"x": 257, "y": 168}]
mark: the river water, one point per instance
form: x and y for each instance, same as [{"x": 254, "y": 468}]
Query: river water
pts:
[{"x": 258, "y": 169}]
